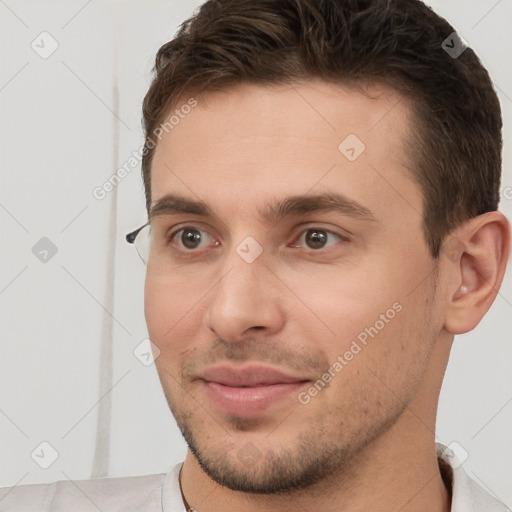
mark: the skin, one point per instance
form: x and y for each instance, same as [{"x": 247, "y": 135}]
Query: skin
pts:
[{"x": 365, "y": 441}]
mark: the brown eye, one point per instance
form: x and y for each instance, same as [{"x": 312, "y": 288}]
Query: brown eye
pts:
[
  {"x": 316, "y": 239},
  {"x": 191, "y": 238}
]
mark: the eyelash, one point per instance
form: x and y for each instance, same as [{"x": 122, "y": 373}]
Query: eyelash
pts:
[{"x": 194, "y": 252}]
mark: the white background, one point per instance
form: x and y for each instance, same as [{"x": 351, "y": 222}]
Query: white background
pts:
[{"x": 69, "y": 326}]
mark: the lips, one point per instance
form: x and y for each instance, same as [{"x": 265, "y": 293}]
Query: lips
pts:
[
  {"x": 250, "y": 376},
  {"x": 248, "y": 391}
]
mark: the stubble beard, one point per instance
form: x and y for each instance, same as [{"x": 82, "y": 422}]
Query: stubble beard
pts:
[{"x": 316, "y": 455}]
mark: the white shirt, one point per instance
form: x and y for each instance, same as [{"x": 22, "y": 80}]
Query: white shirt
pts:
[{"x": 161, "y": 493}]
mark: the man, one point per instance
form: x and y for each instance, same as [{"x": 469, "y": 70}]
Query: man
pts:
[{"x": 322, "y": 182}]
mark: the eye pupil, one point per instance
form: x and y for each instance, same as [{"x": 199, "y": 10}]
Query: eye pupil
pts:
[
  {"x": 190, "y": 237},
  {"x": 316, "y": 238}
]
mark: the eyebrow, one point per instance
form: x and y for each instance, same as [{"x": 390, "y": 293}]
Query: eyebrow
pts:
[{"x": 275, "y": 210}]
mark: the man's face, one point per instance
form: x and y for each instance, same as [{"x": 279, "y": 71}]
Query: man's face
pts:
[{"x": 341, "y": 302}]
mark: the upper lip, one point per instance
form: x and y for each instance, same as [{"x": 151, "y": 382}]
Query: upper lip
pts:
[{"x": 248, "y": 376}]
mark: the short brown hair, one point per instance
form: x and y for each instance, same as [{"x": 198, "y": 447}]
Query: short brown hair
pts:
[{"x": 456, "y": 144}]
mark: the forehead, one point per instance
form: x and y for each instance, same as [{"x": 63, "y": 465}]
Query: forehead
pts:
[{"x": 238, "y": 146}]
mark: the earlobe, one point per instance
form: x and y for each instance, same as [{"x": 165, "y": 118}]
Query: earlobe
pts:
[{"x": 477, "y": 271}]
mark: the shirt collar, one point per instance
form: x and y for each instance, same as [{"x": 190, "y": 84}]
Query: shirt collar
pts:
[{"x": 467, "y": 495}]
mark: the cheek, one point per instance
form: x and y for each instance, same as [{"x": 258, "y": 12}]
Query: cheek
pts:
[
  {"x": 168, "y": 305},
  {"x": 378, "y": 370},
  {"x": 169, "y": 311},
  {"x": 398, "y": 344},
  {"x": 344, "y": 301},
  {"x": 369, "y": 315}
]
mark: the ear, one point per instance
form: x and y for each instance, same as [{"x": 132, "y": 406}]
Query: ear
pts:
[{"x": 477, "y": 254}]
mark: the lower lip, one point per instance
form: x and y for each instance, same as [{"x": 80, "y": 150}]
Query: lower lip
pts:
[{"x": 248, "y": 401}]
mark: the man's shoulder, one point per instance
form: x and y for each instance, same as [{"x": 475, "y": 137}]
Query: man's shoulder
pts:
[
  {"x": 105, "y": 494},
  {"x": 466, "y": 493},
  {"x": 471, "y": 496}
]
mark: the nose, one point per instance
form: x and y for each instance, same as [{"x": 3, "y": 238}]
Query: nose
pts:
[{"x": 245, "y": 300}]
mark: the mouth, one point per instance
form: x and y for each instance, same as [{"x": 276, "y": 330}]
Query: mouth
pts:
[{"x": 250, "y": 390}]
